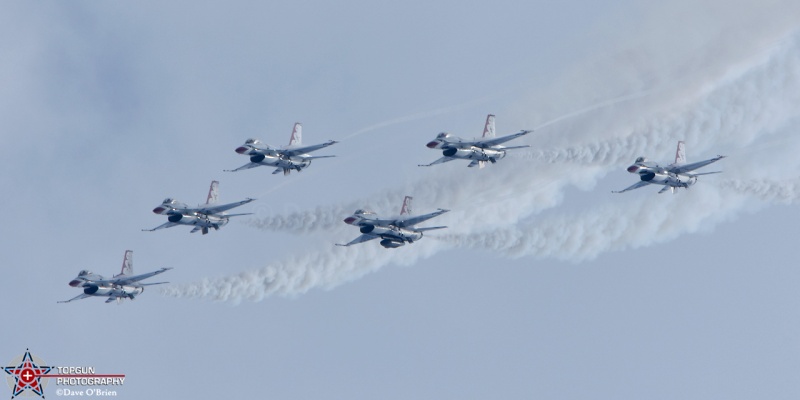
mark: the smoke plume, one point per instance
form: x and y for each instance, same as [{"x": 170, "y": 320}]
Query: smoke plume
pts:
[{"x": 753, "y": 100}]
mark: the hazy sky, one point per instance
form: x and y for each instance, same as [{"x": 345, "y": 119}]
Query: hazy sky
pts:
[{"x": 545, "y": 284}]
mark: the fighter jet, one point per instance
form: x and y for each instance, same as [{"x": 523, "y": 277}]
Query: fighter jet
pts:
[
  {"x": 292, "y": 157},
  {"x": 675, "y": 175},
  {"x": 124, "y": 285},
  {"x": 480, "y": 151},
  {"x": 202, "y": 217},
  {"x": 392, "y": 232}
]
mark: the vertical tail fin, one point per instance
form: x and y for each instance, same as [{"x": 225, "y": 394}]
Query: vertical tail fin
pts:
[
  {"x": 127, "y": 264},
  {"x": 297, "y": 134},
  {"x": 213, "y": 192},
  {"x": 488, "y": 129},
  {"x": 680, "y": 153},
  {"x": 406, "y": 209}
]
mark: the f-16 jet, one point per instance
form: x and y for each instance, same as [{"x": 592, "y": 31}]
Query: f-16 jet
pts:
[
  {"x": 124, "y": 285},
  {"x": 479, "y": 151},
  {"x": 393, "y": 232},
  {"x": 675, "y": 175},
  {"x": 202, "y": 217},
  {"x": 292, "y": 157}
]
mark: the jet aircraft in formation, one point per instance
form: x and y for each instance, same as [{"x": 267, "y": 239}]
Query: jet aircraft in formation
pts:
[
  {"x": 124, "y": 285},
  {"x": 480, "y": 151},
  {"x": 202, "y": 217},
  {"x": 393, "y": 232},
  {"x": 292, "y": 157},
  {"x": 675, "y": 175}
]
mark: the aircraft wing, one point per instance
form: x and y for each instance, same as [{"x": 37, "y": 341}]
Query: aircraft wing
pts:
[
  {"x": 307, "y": 149},
  {"x": 405, "y": 222},
  {"x": 162, "y": 226},
  {"x": 238, "y": 215},
  {"x": 127, "y": 280},
  {"x": 439, "y": 161},
  {"x": 679, "y": 169},
  {"x": 365, "y": 237},
  {"x": 216, "y": 209},
  {"x": 429, "y": 228},
  {"x": 78, "y": 297},
  {"x": 495, "y": 141},
  {"x": 246, "y": 166},
  {"x": 631, "y": 187}
]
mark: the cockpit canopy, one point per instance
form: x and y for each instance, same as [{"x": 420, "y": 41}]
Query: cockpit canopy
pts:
[
  {"x": 362, "y": 212},
  {"x": 167, "y": 201},
  {"x": 84, "y": 272},
  {"x": 254, "y": 143},
  {"x": 442, "y": 135},
  {"x": 641, "y": 160}
]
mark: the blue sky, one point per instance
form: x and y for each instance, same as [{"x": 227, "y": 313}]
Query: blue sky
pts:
[{"x": 545, "y": 285}]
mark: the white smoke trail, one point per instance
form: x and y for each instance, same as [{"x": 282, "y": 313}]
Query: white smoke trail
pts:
[
  {"x": 746, "y": 105},
  {"x": 784, "y": 192},
  {"x": 418, "y": 116},
  {"x": 610, "y": 227},
  {"x": 296, "y": 275},
  {"x": 750, "y": 99},
  {"x": 594, "y": 107}
]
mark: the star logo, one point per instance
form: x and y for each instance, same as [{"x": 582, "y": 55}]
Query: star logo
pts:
[{"x": 26, "y": 376}]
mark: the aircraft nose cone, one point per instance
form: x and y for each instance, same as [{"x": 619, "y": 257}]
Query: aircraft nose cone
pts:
[
  {"x": 633, "y": 168},
  {"x": 349, "y": 220},
  {"x": 432, "y": 145},
  {"x": 74, "y": 283},
  {"x": 241, "y": 149},
  {"x": 159, "y": 210}
]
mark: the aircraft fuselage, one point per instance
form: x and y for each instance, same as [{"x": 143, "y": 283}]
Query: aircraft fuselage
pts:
[
  {"x": 113, "y": 291},
  {"x": 392, "y": 236},
  {"x": 197, "y": 219},
  {"x": 474, "y": 153},
  {"x": 658, "y": 176},
  {"x": 292, "y": 162}
]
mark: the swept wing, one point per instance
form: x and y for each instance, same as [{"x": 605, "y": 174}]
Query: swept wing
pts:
[
  {"x": 484, "y": 143},
  {"x": 411, "y": 221},
  {"x": 127, "y": 280},
  {"x": 246, "y": 166},
  {"x": 439, "y": 161},
  {"x": 404, "y": 222},
  {"x": 216, "y": 209},
  {"x": 296, "y": 151},
  {"x": 631, "y": 187},
  {"x": 429, "y": 228},
  {"x": 365, "y": 237},
  {"x": 162, "y": 226},
  {"x": 78, "y": 297},
  {"x": 679, "y": 169}
]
